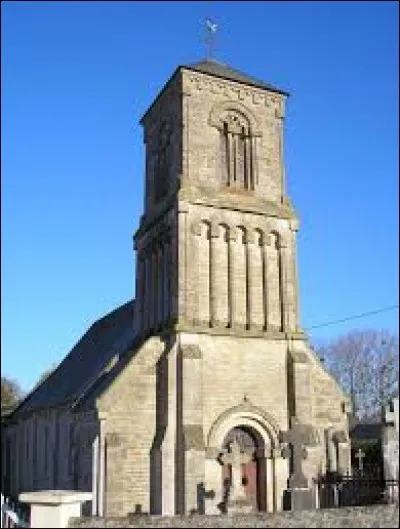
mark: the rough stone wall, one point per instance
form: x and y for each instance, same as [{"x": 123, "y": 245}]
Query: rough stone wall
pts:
[
  {"x": 376, "y": 516},
  {"x": 204, "y": 96},
  {"x": 129, "y": 409}
]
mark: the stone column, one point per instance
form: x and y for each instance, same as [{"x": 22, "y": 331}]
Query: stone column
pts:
[
  {"x": 95, "y": 475},
  {"x": 283, "y": 283},
  {"x": 146, "y": 288},
  {"x": 102, "y": 467},
  {"x": 154, "y": 286},
  {"x": 173, "y": 275},
  {"x": 265, "y": 244},
  {"x": 192, "y": 283},
  {"x": 214, "y": 279},
  {"x": 191, "y": 395},
  {"x": 140, "y": 278},
  {"x": 295, "y": 283},
  {"x": 160, "y": 287},
  {"x": 182, "y": 260},
  {"x": 231, "y": 279},
  {"x": 255, "y": 282},
  {"x": 167, "y": 278}
]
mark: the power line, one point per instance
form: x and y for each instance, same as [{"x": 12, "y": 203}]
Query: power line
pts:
[{"x": 386, "y": 309}]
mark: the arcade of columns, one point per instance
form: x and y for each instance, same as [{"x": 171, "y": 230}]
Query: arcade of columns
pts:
[{"x": 238, "y": 278}]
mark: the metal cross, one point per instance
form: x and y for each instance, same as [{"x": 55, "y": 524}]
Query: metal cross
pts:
[
  {"x": 360, "y": 456},
  {"x": 211, "y": 29}
]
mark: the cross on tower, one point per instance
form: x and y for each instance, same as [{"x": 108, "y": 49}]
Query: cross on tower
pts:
[{"x": 211, "y": 29}]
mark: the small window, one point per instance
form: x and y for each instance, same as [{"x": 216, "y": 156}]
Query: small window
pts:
[{"x": 237, "y": 151}]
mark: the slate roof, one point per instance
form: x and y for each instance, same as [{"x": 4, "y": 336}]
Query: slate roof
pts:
[
  {"x": 109, "y": 336},
  {"x": 216, "y": 69},
  {"x": 367, "y": 431},
  {"x": 224, "y": 71}
]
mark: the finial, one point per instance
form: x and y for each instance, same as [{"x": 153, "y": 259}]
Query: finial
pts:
[{"x": 211, "y": 29}]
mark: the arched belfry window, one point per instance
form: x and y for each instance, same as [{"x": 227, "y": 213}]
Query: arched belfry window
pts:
[
  {"x": 237, "y": 150},
  {"x": 163, "y": 162}
]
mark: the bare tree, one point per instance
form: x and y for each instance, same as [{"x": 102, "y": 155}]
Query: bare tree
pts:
[
  {"x": 11, "y": 394},
  {"x": 366, "y": 365}
]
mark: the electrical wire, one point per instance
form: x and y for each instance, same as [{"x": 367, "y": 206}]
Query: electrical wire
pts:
[{"x": 386, "y": 309}]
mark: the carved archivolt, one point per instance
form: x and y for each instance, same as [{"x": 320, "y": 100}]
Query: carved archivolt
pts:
[
  {"x": 227, "y": 110},
  {"x": 245, "y": 413}
]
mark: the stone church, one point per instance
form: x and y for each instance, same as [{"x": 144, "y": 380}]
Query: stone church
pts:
[{"x": 203, "y": 390}]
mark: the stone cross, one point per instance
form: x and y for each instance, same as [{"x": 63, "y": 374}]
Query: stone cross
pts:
[
  {"x": 236, "y": 458},
  {"x": 298, "y": 452},
  {"x": 360, "y": 456}
]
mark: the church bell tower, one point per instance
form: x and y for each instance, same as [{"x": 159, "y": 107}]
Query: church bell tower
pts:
[{"x": 216, "y": 243}]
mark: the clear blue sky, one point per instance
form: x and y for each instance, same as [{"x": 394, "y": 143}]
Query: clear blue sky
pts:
[{"x": 76, "y": 78}]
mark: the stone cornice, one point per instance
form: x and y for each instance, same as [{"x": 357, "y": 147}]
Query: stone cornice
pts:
[
  {"x": 235, "y": 90},
  {"x": 236, "y": 202},
  {"x": 237, "y": 332}
]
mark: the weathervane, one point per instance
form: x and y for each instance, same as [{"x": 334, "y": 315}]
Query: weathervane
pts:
[{"x": 211, "y": 29}]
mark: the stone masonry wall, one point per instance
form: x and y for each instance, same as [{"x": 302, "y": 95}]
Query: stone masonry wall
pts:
[{"x": 371, "y": 516}]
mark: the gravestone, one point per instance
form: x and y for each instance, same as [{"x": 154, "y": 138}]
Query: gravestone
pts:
[
  {"x": 299, "y": 495},
  {"x": 237, "y": 499}
]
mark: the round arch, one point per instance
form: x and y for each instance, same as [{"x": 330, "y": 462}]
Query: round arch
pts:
[
  {"x": 244, "y": 415},
  {"x": 219, "y": 108}
]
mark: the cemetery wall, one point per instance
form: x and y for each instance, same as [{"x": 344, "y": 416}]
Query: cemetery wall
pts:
[{"x": 369, "y": 516}]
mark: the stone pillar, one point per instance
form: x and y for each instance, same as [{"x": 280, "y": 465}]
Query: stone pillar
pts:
[
  {"x": 167, "y": 279},
  {"x": 295, "y": 283},
  {"x": 54, "y": 508},
  {"x": 102, "y": 467},
  {"x": 95, "y": 475},
  {"x": 239, "y": 294},
  {"x": 154, "y": 286},
  {"x": 169, "y": 442},
  {"x": 191, "y": 395},
  {"x": 140, "y": 278},
  {"x": 160, "y": 290},
  {"x": 203, "y": 303},
  {"x": 214, "y": 279},
  {"x": 265, "y": 245},
  {"x": 182, "y": 260},
  {"x": 147, "y": 292},
  {"x": 255, "y": 282},
  {"x": 231, "y": 279},
  {"x": 283, "y": 286},
  {"x": 173, "y": 275}
]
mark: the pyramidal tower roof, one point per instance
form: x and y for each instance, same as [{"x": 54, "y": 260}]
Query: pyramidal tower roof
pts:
[{"x": 218, "y": 69}]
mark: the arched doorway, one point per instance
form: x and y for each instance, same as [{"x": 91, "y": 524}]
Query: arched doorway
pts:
[{"x": 253, "y": 471}]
